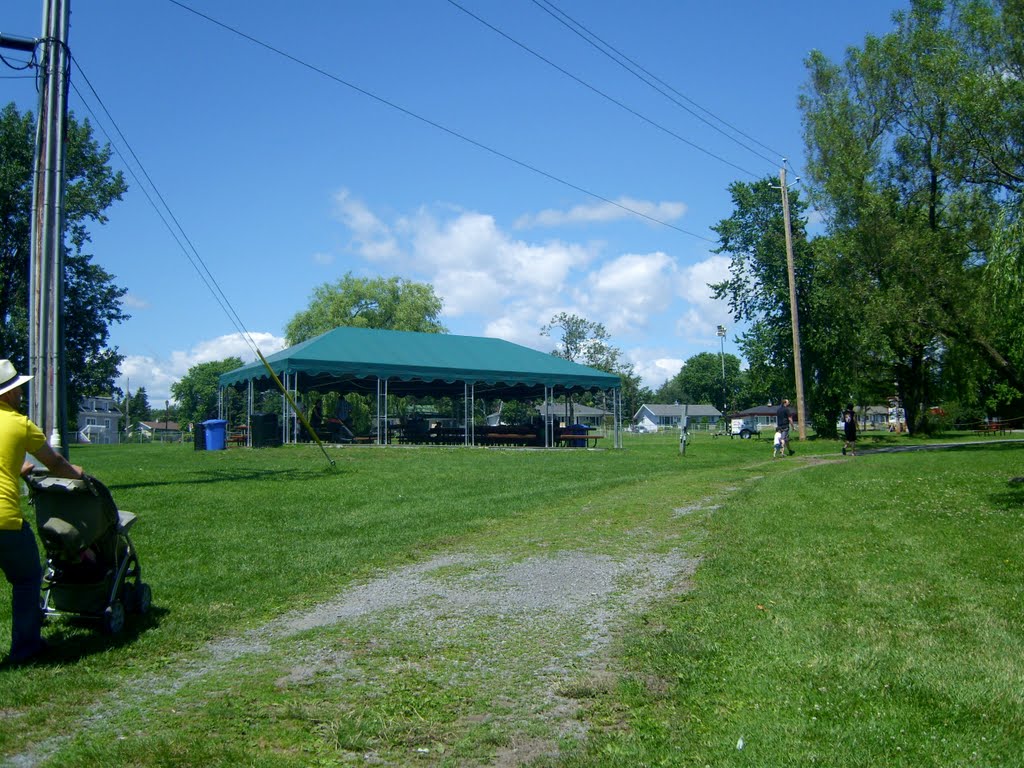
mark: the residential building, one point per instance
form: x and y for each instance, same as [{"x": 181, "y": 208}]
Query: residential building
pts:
[
  {"x": 581, "y": 414},
  {"x": 762, "y": 415},
  {"x": 654, "y": 416},
  {"x": 98, "y": 419},
  {"x": 148, "y": 430}
]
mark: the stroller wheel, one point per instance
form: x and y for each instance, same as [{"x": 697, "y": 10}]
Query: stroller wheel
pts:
[
  {"x": 143, "y": 598},
  {"x": 137, "y": 597},
  {"x": 113, "y": 618}
]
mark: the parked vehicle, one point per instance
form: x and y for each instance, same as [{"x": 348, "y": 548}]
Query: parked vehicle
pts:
[{"x": 743, "y": 428}]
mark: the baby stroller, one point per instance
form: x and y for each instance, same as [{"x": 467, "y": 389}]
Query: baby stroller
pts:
[{"x": 92, "y": 570}]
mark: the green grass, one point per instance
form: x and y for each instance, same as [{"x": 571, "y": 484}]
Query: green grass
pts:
[
  {"x": 861, "y": 613},
  {"x": 857, "y": 612}
]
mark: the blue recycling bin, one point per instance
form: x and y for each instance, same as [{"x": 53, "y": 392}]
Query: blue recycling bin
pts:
[
  {"x": 576, "y": 429},
  {"x": 216, "y": 434}
]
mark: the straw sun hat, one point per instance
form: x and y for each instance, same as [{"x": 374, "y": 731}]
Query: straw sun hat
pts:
[{"x": 10, "y": 378}]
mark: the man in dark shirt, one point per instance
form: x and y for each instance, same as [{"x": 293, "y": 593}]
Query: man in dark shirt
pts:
[{"x": 784, "y": 420}]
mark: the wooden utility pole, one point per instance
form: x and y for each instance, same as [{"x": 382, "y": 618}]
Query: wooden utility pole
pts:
[
  {"x": 801, "y": 412},
  {"x": 47, "y": 406}
]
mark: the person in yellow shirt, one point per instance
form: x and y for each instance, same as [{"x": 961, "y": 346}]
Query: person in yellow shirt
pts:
[{"x": 19, "y": 554}]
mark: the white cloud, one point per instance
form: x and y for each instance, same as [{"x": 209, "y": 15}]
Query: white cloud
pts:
[
  {"x": 603, "y": 212},
  {"x": 473, "y": 265},
  {"x": 157, "y": 375},
  {"x": 509, "y": 287},
  {"x": 628, "y": 290},
  {"x": 323, "y": 259},
  {"x": 696, "y": 278},
  {"x": 704, "y": 314},
  {"x": 371, "y": 237},
  {"x": 135, "y": 302},
  {"x": 652, "y": 370}
]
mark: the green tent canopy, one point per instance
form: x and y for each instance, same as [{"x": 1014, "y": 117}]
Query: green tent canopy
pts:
[{"x": 356, "y": 359}]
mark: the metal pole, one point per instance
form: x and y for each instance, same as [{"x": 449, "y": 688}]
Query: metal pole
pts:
[
  {"x": 794, "y": 317},
  {"x": 46, "y": 275},
  {"x": 725, "y": 397}
]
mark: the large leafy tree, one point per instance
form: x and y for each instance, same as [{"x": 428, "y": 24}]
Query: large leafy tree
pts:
[
  {"x": 196, "y": 392},
  {"x": 92, "y": 301},
  {"x": 589, "y": 343},
  {"x": 582, "y": 341},
  {"x": 700, "y": 380},
  {"x": 914, "y": 148},
  {"x": 391, "y": 303}
]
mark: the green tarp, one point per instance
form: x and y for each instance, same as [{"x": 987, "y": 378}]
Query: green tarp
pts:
[{"x": 352, "y": 359}]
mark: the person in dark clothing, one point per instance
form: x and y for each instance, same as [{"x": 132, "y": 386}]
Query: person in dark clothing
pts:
[
  {"x": 849, "y": 430},
  {"x": 784, "y": 420}
]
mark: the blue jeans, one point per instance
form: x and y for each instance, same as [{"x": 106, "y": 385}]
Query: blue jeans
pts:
[{"x": 19, "y": 559}]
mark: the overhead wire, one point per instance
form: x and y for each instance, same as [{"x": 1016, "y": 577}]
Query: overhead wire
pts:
[
  {"x": 437, "y": 125},
  {"x": 619, "y": 58},
  {"x": 197, "y": 261},
  {"x": 25, "y": 65},
  {"x": 191, "y": 253},
  {"x": 599, "y": 92}
]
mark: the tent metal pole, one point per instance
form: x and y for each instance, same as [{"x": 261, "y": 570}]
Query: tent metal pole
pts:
[
  {"x": 284, "y": 412},
  {"x": 248, "y": 414},
  {"x": 472, "y": 413},
  {"x": 548, "y": 437},
  {"x": 618, "y": 420},
  {"x": 386, "y": 412},
  {"x": 295, "y": 416}
]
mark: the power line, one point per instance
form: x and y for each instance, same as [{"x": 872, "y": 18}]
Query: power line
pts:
[
  {"x": 601, "y": 93},
  {"x": 604, "y": 47},
  {"x": 24, "y": 64},
  {"x": 191, "y": 253},
  {"x": 434, "y": 124}
]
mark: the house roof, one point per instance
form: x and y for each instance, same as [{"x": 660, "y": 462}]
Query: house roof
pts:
[
  {"x": 352, "y": 359},
  {"x": 676, "y": 409},
  {"x": 580, "y": 411},
  {"x": 762, "y": 410},
  {"x": 158, "y": 425}
]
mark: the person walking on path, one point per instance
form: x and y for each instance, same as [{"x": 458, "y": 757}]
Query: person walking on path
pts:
[
  {"x": 849, "y": 430},
  {"x": 783, "y": 421},
  {"x": 19, "y": 553}
]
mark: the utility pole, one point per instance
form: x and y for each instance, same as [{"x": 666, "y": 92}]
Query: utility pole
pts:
[
  {"x": 47, "y": 406},
  {"x": 794, "y": 316},
  {"x": 725, "y": 396}
]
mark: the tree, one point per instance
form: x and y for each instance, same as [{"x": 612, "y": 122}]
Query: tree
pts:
[
  {"x": 700, "y": 381},
  {"x": 136, "y": 407},
  {"x": 92, "y": 302},
  {"x": 583, "y": 341},
  {"x": 389, "y": 303},
  {"x": 914, "y": 148},
  {"x": 634, "y": 393},
  {"x": 196, "y": 391}
]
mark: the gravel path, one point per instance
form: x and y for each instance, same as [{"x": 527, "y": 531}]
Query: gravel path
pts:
[{"x": 538, "y": 624}]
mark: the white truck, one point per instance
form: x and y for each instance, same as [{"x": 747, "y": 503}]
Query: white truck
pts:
[{"x": 743, "y": 428}]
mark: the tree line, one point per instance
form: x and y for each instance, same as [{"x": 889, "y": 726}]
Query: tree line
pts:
[{"x": 915, "y": 165}]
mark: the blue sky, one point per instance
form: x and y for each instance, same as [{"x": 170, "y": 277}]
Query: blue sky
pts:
[{"x": 284, "y": 178}]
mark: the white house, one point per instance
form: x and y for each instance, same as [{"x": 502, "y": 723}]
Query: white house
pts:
[
  {"x": 97, "y": 420},
  {"x": 654, "y": 416}
]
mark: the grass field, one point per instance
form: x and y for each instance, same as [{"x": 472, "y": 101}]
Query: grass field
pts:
[{"x": 845, "y": 612}]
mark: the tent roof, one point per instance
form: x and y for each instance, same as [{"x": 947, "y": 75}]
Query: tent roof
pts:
[{"x": 347, "y": 359}]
